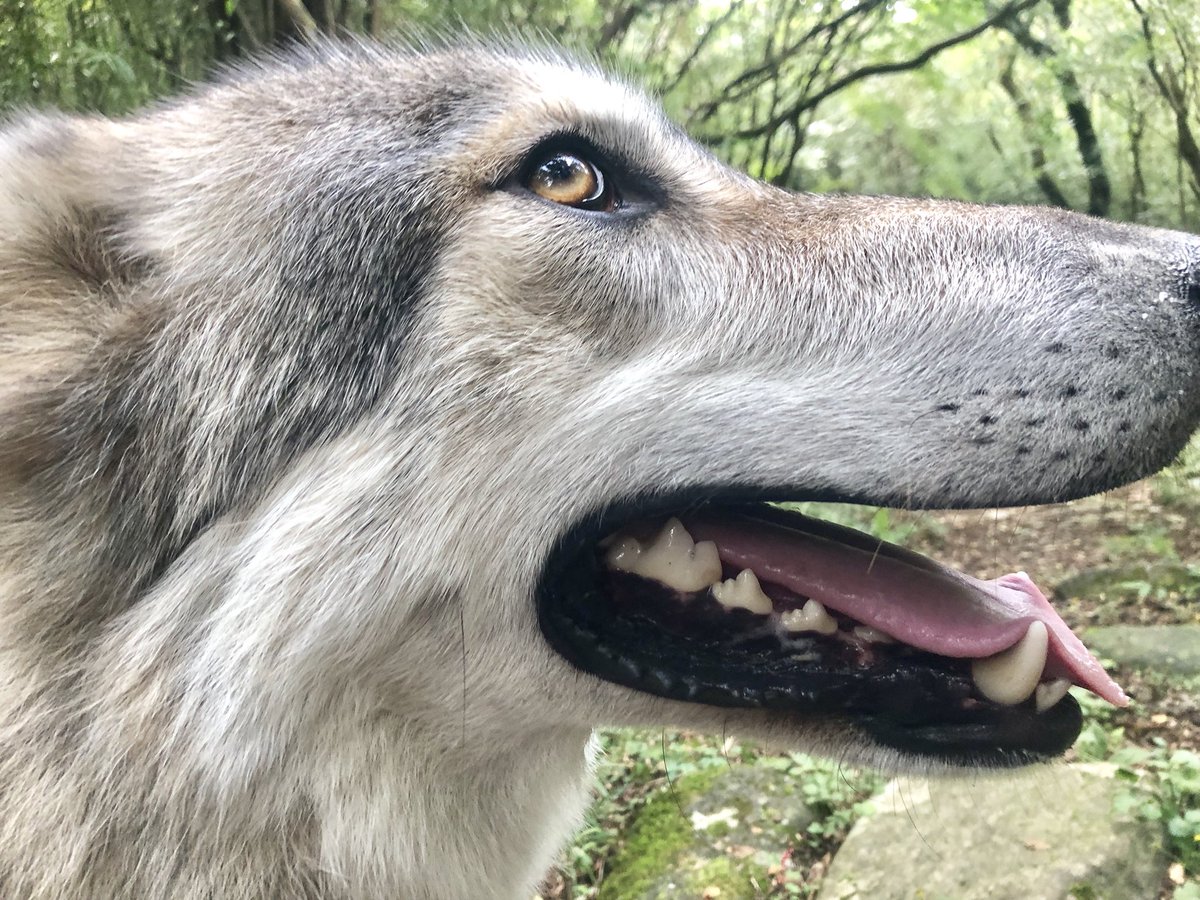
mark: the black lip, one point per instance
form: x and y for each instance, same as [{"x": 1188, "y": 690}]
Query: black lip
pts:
[
  {"x": 992, "y": 736},
  {"x": 919, "y": 705}
]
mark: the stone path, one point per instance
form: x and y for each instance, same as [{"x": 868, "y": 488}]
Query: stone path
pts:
[{"x": 1162, "y": 648}]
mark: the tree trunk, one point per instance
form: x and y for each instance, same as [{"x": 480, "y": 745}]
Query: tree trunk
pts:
[
  {"x": 1037, "y": 154},
  {"x": 1080, "y": 116},
  {"x": 1168, "y": 85},
  {"x": 301, "y": 20}
]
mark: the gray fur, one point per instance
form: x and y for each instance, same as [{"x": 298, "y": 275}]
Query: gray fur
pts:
[{"x": 295, "y": 384}]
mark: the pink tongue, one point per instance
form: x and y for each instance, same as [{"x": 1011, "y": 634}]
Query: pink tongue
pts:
[{"x": 903, "y": 594}]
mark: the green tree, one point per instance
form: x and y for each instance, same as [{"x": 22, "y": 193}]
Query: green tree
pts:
[{"x": 1094, "y": 106}]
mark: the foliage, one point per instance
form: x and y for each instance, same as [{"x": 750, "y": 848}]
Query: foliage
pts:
[
  {"x": 1162, "y": 783},
  {"x": 1178, "y": 487},
  {"x": 634, "y": 765},
  {"x": 837, "y": 800},
  {"x": 1164, "y": 786},
  {"x": 637, "y": 767},
  {"x": 1013, "y": 101},
  {"x": 108, "y": 55}
]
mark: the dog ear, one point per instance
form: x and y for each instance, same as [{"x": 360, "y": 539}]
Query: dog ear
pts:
[{"x": 63, "y": 273}]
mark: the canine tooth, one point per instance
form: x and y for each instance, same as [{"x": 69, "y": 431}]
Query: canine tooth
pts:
[
  {"x": 672, "y": 558},
  {"x": 873, "y": 635},
  {"x": 1011, "y": 676},
  {"x": 812, "y": 617},
  {"x": 1048, "y": 693},
  {"x": 743, "y": 592}
]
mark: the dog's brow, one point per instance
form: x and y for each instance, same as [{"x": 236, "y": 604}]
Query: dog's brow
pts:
[{"x": 608, "y": 112}]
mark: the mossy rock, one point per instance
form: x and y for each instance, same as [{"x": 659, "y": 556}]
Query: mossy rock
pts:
[
  {"x": 722, "y": 828},
  {"x": 1046, "y": 833},
  {"x": 1156, "y": 648},
  {"x": 1129, "y": 581}
]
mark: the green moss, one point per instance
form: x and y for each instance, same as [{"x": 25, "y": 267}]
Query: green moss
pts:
[
  {"x": 659, "y": 838},
  {"x": 754, "y": 815},
  {"x": 732, "y": 878}
]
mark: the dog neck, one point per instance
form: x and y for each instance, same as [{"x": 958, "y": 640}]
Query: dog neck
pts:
[
  {"x": 297, "y": 768},
  {"x": 310, "y": 789}
]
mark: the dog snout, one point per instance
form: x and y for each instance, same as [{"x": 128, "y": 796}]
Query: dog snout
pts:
[
  {"x": 1040, "y": 354},
  {"x": 1133, "y": 258}
]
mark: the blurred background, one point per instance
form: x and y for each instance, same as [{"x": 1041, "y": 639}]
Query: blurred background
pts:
[{"x": 1092, "y": 105}]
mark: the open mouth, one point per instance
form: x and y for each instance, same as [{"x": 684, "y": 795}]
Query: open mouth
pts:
[{"x": 758, "y": 606}]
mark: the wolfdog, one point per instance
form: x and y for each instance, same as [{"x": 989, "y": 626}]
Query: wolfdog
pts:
[{"x": 376, "y": 422}]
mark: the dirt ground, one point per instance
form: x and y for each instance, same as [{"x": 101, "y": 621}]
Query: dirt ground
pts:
[{"x": 1128, "y": 527}]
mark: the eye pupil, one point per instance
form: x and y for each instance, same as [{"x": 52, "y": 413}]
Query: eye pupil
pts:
[
  {"x": 567, "y": 178},
  {"x": 563, "y": 169}
]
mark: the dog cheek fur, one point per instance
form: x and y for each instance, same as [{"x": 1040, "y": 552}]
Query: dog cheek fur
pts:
[{"x": 93, "y": 513}]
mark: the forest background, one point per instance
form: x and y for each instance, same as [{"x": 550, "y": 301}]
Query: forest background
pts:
[{"x": 1087, "y": 104}]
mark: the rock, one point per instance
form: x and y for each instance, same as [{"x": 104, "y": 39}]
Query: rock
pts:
[
  {"x": 714, "y": 835},
  {"x": 1160, "y": 648},
  {"x": 1108, "y": 588},
  {"x": 1043, "y": 834}
]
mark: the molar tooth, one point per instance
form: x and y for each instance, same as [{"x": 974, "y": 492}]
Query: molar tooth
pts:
[
  {"x": 745, "y": 592},
  {"x": 1011, "y": 676},
  {"x": 623, "y": 554},
  {"x": 812, "y": 617},
  {"x": 672, "y": 558},
  {"x": 1048, "y": 693}
]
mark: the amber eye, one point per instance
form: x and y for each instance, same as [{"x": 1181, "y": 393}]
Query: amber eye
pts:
[{"x": 571, "y": 180}]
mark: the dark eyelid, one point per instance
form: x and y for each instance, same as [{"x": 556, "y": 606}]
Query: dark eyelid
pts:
[{"x": 637, "y": 188}]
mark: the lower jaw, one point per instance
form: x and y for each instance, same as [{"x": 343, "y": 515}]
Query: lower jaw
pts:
[
  {"x": 904, "y": 700},
  {"x": 918, "y": 705}
]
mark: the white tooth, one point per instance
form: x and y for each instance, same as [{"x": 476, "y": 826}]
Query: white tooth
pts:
[
  {"x": 623, "y": 554},
  {"x": 672, "y": 558},
  {"x": 812, "y": 617},
  {"x": 1048, "y": 693},
  {"x": 1011, "y": 676},
  {"x": 743, "y": 592},
  {"x": 873, "y": 635}
]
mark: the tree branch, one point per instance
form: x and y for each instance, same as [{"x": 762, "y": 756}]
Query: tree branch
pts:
[
  {"x": 709, "y": 31},
  {"x": 374, "y": 20},
  {"x": 1099, "y": 186},
  {"x": 619, "y": 23},
  {"x": 773, "y": 61},
  {"x": 804, "y": 104},
  {"x": 247, "y": 26},
  {"x": 1037, "y": 155},
  {"x": 1189, "y": 148}
]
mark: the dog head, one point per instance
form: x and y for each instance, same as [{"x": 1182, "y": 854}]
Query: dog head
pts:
[{"x": 344, "y": 376}]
